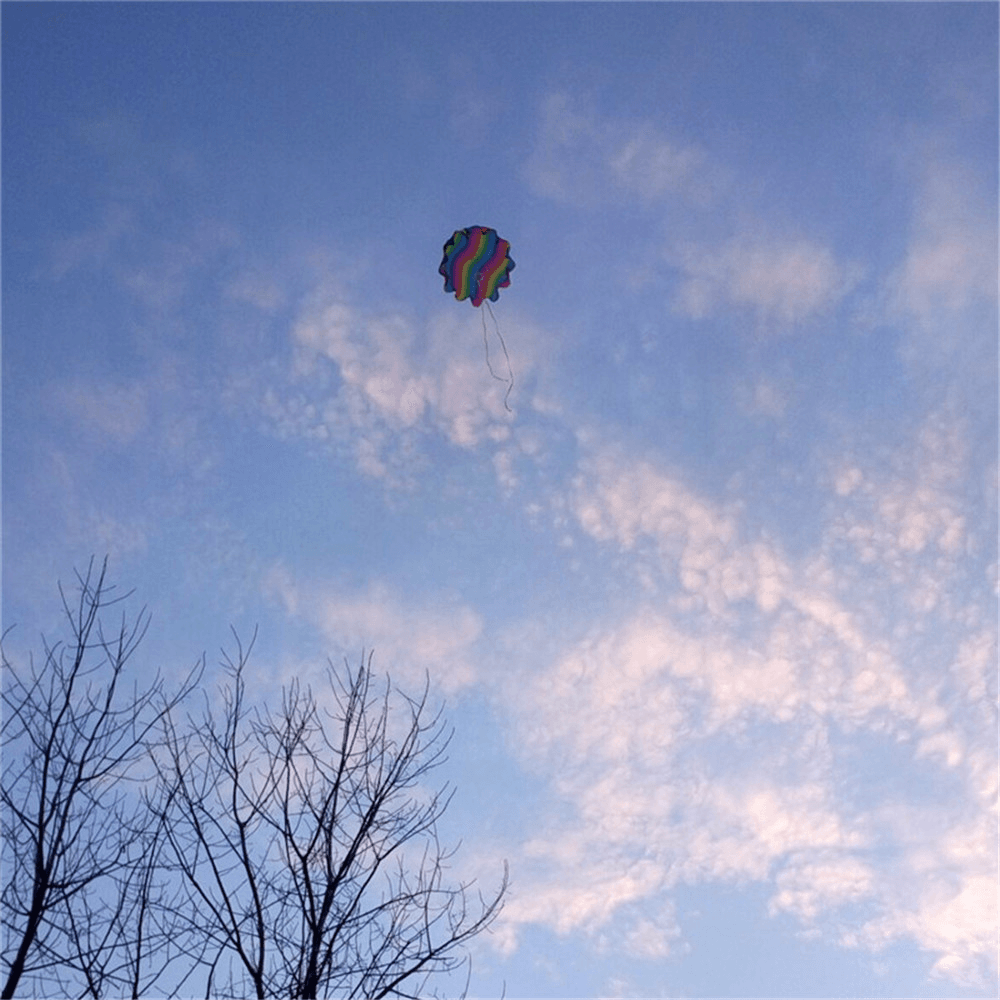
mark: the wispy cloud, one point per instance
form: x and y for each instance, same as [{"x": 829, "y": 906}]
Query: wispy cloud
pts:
[
  {"x": 432, "y": 635},
  {"x": 952, "y": 258},
  {"x": 643, "y": 508},
  {"x": 382, "y": 380},
  {"x": 162, "y": 275},
  {"x": 257, "y": 288},
  {"x": 908, "y": 522},
  {"x": 583, "y": 158},
  {"x": 784, "y": 281},
  {"x": 943, "y": 293},
  {"x": 694, "y": 742}
]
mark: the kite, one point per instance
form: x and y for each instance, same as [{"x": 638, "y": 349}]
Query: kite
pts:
[{"x": 476, "y": 265}]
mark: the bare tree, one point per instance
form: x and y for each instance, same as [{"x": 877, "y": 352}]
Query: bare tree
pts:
[
  {"x": 286, "y": 852},
  {"x": 78, "y": 855},
  {"x": 308, "y": 845}
]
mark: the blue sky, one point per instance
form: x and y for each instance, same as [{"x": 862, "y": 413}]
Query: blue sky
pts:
[{"x": 714, "y": 608}]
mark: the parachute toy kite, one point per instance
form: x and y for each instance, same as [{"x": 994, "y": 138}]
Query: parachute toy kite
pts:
[{"x": 476, "y": 265}]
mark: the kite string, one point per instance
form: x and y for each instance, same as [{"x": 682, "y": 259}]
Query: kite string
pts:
[{"x": 486, "y": 344}]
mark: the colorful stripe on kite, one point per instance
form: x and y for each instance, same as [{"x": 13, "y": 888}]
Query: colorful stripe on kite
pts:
[{"x": 476, "y": 264}]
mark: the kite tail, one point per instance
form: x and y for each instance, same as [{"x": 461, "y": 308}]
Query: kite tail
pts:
[{"x": 510, "y": 372}]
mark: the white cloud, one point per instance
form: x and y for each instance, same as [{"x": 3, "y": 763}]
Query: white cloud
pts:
[
  {"x": 943, "y": 294},
  {"x": 952, "y": 258},
  {"x": 764, "y": 398},
  {"x": 944, "y": 895},
  {"x": 652, "y": 167},
  {"x": 906, "y": 520},
  {"x": 708, "y": 738},
  {"x": 785, "y": 281},
  {"x": 653, "y": 938},
  {"x": 259, "y": 290},
  {"x": 636, "y": 506},
  {"x": 649, "y": 700},
  {"x": 585, "y": 892},
  {"x": 395, "y": 380},
  {"x": 753, "y": 793},
  {"x": 116, "y": 537},
  {"x": 974, "y": 665},
  {"x": 582, "y": 157},
  {"x": 812, "y": 882},
  {"x": 410, "y": 637},
  {"x": 162, "y": 272},
  {"x": 503, "y": 464}
]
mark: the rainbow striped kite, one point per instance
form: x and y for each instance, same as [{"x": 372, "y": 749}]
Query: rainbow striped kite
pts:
[{"x": 476, "y": 264}]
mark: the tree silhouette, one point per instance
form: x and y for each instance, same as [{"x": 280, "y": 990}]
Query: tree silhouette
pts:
[
  {"x": 76, "y": 849},
  {"x": 308, "y": 844},
  {"x": 246, "y": 851}
]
